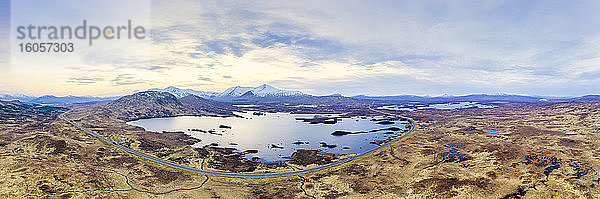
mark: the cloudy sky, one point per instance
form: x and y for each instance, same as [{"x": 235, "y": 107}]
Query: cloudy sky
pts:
[{"x": 348, "y": 47}]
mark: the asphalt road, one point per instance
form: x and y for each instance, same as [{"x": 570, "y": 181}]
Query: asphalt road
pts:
[{"x": 241, "y": 174}]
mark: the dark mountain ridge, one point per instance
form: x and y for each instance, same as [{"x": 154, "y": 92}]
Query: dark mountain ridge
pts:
[
  {"x": 586, "y": 98},
  {"x": 151, "y": 104}
]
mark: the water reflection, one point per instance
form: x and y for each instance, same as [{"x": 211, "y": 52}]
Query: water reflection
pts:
[{"x": 278, "y": 135}]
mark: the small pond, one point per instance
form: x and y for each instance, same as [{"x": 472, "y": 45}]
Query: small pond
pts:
[{"x": 490, "y": 130}]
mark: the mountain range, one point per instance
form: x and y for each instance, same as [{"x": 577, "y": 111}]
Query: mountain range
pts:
[
  {"x": 179, "y": 93},
  {"x": 54, "y": 100},
  {"x": 269, "y": 94},
  {"x": 263, "y": 91}
]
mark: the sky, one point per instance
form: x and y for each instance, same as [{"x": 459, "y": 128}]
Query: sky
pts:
[{"x": 548, "y": 48}]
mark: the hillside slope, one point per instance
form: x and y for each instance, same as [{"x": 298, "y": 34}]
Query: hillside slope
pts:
[{"x": 151, "y": 104}]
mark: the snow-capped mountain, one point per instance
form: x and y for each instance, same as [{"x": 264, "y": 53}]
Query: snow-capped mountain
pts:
[
  {"x": 20, "y": 97},
  {"x": 260, "y": 91},
  {"x": 233, "y": 92},
  {"x": 179, "y": 93}
]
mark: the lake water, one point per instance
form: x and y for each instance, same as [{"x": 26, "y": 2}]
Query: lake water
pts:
[
  {"x": 261, "y": 132},
  {"x": 444, "y": 106}
]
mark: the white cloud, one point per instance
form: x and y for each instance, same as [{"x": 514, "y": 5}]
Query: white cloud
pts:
[{"x": 401, "y": 47}]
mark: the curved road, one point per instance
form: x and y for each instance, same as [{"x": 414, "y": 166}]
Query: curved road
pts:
[{"x": 239, "y": 174}]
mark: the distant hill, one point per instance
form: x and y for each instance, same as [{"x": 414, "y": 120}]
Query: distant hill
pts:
[
  {"x": 26, "y": 114},
  {"x": 494, "y": 98},
  {"x": 22, "y": 98},
  {"x": 394, "y": 98},
  {"x": 51, "y": 99},
  {"x": 587, "y": 98},
  {"x": 446, "y": 98},
  {"x": 54, "y": 100}
]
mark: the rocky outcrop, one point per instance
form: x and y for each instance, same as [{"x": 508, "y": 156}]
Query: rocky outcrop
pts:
[{"x": 307, "y": 157}]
